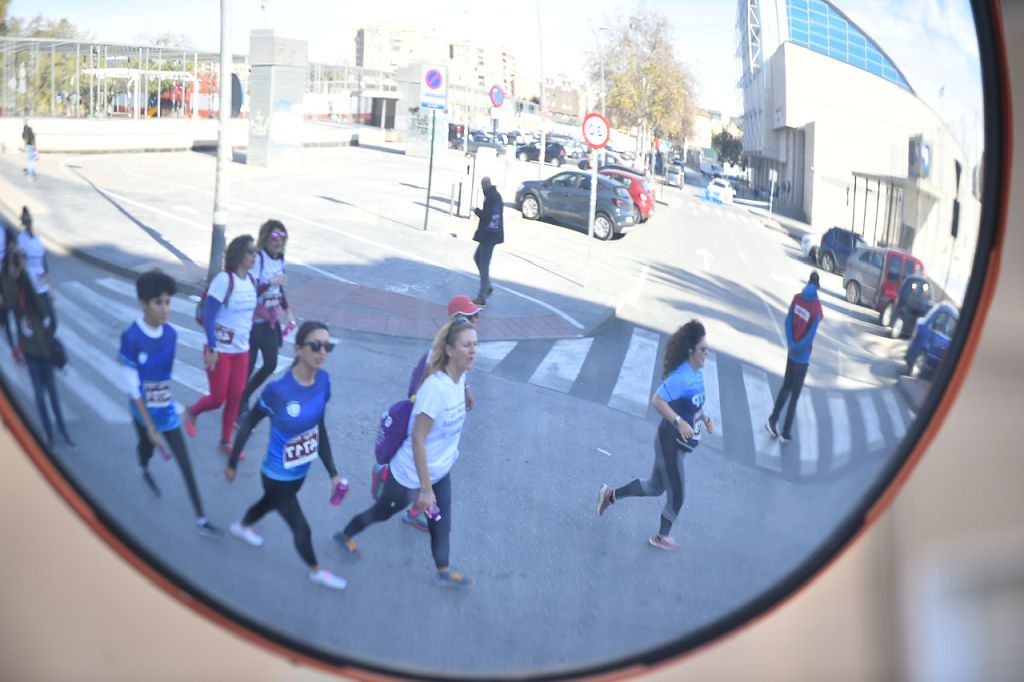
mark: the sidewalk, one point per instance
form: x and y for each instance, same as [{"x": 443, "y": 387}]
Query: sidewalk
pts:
[{"x": 110, "y": 230}]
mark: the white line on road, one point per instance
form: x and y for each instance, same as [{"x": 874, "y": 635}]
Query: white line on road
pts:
[
  {"x": 899, "y": 423},
  {"x": 767, "y": 450},
  {"x": 638, "y": 288},
  {"x": 178, "y": 305},
  {"x": 604, "y": 452},
  {"x": 302, "y": 264},
  {"x": 842, "y": 441},
  {"x": 712, "y": 398},
  {"x": 632, "y": 392},
  {"x": 807, "y": 427},
  {"x": 562, "y": 364},
  {"x": 490, "y": 353},
  {"x": 706, "y": 256},
  {"x": 872, "y": 424}
]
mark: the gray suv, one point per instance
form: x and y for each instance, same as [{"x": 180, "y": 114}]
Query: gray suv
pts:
[{"x": 566, "y": 197}]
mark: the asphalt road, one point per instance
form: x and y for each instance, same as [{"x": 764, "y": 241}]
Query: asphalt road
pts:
[{"x": 557, "y": 585}]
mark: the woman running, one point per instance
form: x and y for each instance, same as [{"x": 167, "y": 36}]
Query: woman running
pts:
[
  {"x": 680, "y": 402},
  {"x": 295, "y": 404},
  {"x": 35, "y": 256},
  {"x": 147, "y": 358},
  {"x": 36, "y": 324},
  {"x": 269, "y": 274},
  {"x": 421, "y": 469},
  {"x": 227, "y": 318}
]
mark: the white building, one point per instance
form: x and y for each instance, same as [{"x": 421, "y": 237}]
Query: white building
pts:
[{"x": 834, "y": 121}]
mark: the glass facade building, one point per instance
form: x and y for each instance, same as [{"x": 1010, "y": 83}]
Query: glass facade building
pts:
[{"x": 819, "y": 26}]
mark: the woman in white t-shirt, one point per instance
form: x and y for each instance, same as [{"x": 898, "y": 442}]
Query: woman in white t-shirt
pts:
[
  {"x": 421, "y": 469},
  {"x": 35, "y": 256},
  {"x": 227, "y": 319}
]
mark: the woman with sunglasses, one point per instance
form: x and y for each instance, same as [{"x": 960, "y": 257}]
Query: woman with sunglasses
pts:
[
  {"x": 269, "y": 274},
  {"x": 227, "y": 319},
  {"x": 421, "y": 469},
  {"x": 680, "y": 402},
  {"x": 296, "y": 406}
]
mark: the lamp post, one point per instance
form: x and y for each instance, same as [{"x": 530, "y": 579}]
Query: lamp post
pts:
[
  {"x": 222, "y": 184},
  {"x": 542, "y": 152}
]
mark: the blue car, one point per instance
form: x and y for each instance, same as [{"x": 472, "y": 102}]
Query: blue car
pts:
[{"x": 931, "y": 340}]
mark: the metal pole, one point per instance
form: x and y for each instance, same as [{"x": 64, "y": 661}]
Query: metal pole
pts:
[
  {"x": 92, "y": 81},
  {"x": 195, "y": 82},
  {"x": 78, "y": 80},
  {"x": 771, "y": 197},
  {"x": 222, "y": 187},
  {"x": 540, "y": 107},
  {"x": 430, "y": 172},
  {"x": 53, "y": 81},
  {"x": 593, "y": 214},
  {"x": 159, "y": 83}
]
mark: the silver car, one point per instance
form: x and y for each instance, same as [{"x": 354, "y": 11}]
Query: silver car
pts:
[{"x": 674, "y": 176}]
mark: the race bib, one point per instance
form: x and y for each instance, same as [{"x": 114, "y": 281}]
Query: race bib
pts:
[
  {"x": 157, "y": 393},
  {"x": 302, "y": 449},
  {"x": 223, "y": 334},
  {"x": 272, "y": 300}
]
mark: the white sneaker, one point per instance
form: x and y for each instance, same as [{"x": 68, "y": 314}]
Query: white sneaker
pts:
[
  {"x": 246, "y": 534},
  {"x": 328, "y": 579}
]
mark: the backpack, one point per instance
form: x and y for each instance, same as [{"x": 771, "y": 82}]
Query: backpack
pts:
[
  {"x": 200, "y": 313},
  {"x": 394, "y": 424}
]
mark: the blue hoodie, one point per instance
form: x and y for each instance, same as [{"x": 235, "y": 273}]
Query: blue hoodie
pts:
[{"x": 808, "y": 307}]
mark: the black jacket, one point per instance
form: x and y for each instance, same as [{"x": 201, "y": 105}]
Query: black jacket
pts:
[{"x": 492, "y": 218}]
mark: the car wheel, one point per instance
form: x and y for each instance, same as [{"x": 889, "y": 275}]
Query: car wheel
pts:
[
  {"x": 603, "y": 227},
  {"x": 853, "y": 293},
  {"x": 531, "y": 207},
  {"x": 897, "y": 327},
  {"x": 557, "y": 162},
  {"x": 917, "y": 367},
  {"x": 828, "y": 263},
  {"x": 523, "y": 156},
  {"x": 885, "y": 317},
  {"x": 636, "y": 215},
  {"x": 812, "y": 255}
]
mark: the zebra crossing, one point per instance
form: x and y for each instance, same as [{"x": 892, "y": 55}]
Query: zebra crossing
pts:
[{"x": 619, "y": 368}]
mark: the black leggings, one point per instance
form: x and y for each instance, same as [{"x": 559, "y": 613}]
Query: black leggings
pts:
[
  {"x": 666, "y": 476},
  {"x": 281, "y": 496},
  {"x": 792, "y": 384},
  {"x": 44, "y": 383},
  {"x": 264, "y": 339},
  {"x": 394, "y": 498},
  {"x": 4, "y": 317},
  {"x": 177, "y": 444}
]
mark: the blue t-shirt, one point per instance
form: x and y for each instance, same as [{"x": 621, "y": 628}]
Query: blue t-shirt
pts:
[
  {"x": 683, "y": 390},
  {"x": 295, "y": 413},
  {"x": 153, "y": 359}
]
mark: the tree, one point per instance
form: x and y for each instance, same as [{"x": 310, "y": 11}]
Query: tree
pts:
[
  {"x": 647, "y": 87},
  {"x": 729, "y": 148}
]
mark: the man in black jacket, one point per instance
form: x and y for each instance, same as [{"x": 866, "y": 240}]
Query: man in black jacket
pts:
[{"x": 489, "y": 233}]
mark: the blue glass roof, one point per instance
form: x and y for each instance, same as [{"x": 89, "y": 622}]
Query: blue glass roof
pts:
[{"x": 817, "y": 25}]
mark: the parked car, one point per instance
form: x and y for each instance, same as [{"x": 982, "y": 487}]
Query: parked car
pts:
[
  {"x": 478, "y": 138},
  {"x": 835, "y": 248},
  {"x": 553, "y": 154},
  {"x": 674, "y": 176},
  {"x": 931, "y": 340},
  {"x": 515, "y": 137},
  {"x": 874, "y": 275},
  {"x": 566, "y": 197},
  {"x": 913, "y": 301},
  {"x": 720, "y": 190},
  {"x": 640, "y": 191}
]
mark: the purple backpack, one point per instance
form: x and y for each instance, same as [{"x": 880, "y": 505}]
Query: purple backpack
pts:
[{"x": 394, "y": 424}]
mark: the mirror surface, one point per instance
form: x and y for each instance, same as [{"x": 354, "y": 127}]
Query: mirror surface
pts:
[{"x": 751, "y": 144}]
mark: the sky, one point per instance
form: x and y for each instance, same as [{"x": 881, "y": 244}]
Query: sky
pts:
[{"x": 931, "y": 41}]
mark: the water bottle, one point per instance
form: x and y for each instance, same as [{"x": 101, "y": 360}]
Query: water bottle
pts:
[
  {"x": 340, "y": 490},
  {"x": 434, "y": 513},
  {"x": 287, "y": 329}
]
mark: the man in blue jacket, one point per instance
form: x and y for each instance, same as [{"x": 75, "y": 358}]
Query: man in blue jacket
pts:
[
  {"x": 489, "y": 233},
  {"x": 801, "y": 326}
]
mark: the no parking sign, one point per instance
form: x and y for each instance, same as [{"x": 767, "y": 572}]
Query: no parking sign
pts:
[{"x": 434, "y": 87}]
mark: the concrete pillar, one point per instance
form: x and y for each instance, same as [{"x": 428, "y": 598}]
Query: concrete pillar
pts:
[{"x": 277, "y": 88}]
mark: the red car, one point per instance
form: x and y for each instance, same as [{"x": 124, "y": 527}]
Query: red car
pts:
[{"x": 640, "y": 191}]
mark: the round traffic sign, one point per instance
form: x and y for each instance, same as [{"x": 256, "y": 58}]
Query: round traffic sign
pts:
[
  {"x": 596, "y": 130},
  {"x": 497, "y": 96},
  {"x": 434, "y": 79}
]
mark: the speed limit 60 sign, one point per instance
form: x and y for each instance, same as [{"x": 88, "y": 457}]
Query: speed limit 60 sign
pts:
[{"x": 596, "y": 130}]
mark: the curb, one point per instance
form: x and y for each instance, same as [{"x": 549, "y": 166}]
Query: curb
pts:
[{"x": 914, "y": 391}]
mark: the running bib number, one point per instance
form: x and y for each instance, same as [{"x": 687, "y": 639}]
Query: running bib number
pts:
[
  {"x": 302, "y": 449},
  {"x": 158, "y": 393},
  {"x": 223, "y": 335},
  {"x": 272, "y": 300}
]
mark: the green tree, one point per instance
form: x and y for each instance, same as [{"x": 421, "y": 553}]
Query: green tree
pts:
[
  {"x": 647, "y": 87},
  {"x": 729, "y": 148}
]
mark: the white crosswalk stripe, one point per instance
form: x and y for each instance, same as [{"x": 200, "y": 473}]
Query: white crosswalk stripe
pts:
[
  {"x": 562, "y": 364},
  {"x": 767, "y": 451},
  {"x": 807, "y": 429},
  {"x": 842, "y": 443},
  {"x": 896, "y": 414},
  {"x": 632, "y": 392},
  {"x": 490, "y": 353},
  {"x": 119, "y": 286},
  {"x": 872, "y": 423},
  {"x": 712, "y": 397}
]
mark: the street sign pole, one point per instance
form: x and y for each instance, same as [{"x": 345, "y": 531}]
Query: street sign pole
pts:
[
  {"x": 593, "y": 214},
  {"x": 430, "y": 172}
]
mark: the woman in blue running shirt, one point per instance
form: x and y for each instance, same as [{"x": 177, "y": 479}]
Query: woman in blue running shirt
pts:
[
  {"x": 680, "y": 402},
  {"x": 295, "y": 404}
]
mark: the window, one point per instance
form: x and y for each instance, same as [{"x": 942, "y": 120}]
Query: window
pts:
[
  {"x": 944, "y": 324},
  {"x": 895, "y": 267},
  {"x": 877, "y": 259},
  {"x": 564, "y": 180}
]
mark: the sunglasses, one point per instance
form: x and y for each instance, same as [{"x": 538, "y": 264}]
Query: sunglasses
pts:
[
  {"x": 277, "y": 234},
  {"x": 317, "y": 346}
]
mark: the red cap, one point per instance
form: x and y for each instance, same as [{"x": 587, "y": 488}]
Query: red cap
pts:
[{"x": 462, "y": 305}]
